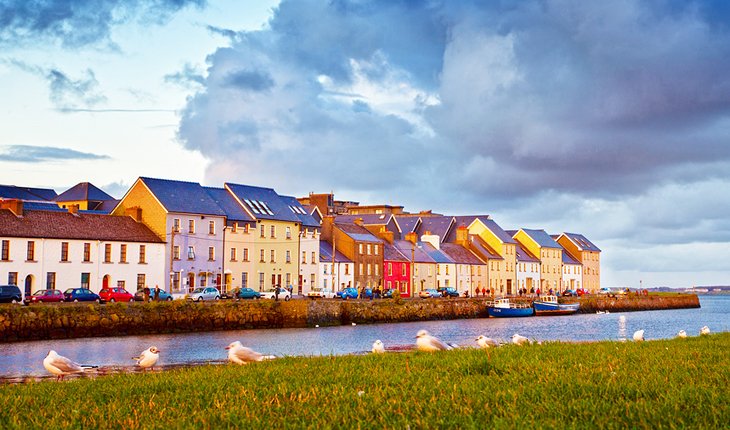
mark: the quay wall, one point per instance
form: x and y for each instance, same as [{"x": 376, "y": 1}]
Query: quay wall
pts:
[{"x": 49, "y": 321}]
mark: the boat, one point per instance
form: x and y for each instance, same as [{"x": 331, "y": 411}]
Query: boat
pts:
[
  {"x": 504, "y": 308},
  {"x": 548, "y": 305}
]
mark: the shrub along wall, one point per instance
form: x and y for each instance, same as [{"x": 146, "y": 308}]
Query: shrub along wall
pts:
[{"x": 114, "y": 319}]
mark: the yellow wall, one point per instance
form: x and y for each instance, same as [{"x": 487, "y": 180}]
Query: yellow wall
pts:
[
  {"x": 591, "y": 264},
  {"x": 279, "y": 244},
  {"x": 83, "y": 204},
  {"x": 551, "y": 269},
  {"x": 502, "y": 274},
  {"x": 154, "y": 215}
]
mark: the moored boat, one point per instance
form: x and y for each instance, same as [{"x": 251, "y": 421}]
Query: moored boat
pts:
[
  {"x": 504, "y": 308},
  {"x": 548, "y": 305}
]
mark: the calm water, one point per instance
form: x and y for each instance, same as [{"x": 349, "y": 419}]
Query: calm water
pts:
[{"x": 26, "y": 358}]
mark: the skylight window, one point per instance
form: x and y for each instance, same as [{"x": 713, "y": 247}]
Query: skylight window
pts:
[
  {"x": 266, "y": 208},
  {"x": 250, "y": 204}
]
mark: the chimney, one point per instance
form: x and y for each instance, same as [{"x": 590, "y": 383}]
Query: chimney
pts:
[
  {"x": 135, "y": 212},
  {"x": 358, "y": 221},
  {"x": 386, "y": 235},
  {"x": 412, "y": 237},
  {"x": 13, "y": 205},
  {"x": 328, "y": 222},
  {"x": 462, "y": 235},
  {"x": 73, "y": 209}
]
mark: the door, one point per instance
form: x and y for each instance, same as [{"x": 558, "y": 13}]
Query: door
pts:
[
  {"x": 278, "y": 280},
  {"x": 191, "y": 282},
  {"x": 299, "y": 285},
  {"x": 28, "y": 285},
  {"x": 105, "y": 281},
  {"x": 227, "y": 282},
  {"x": 273, "y": 280},
  {"x": 509, "y": 286}
]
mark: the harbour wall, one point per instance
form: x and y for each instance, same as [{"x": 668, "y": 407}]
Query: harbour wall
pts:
[{"x": 20, "y": 323}]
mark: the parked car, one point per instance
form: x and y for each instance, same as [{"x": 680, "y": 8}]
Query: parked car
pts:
[
  {"x": 164, "y": 295},
  {"x": 81, "y": 295},
  {"x": 45, "y": 296},
  {"x": 10, "y": 294},
  {"x": 429, "y": 293},
  {"x": 248, "y": 293},
  {"x": 321, "y": 293},
  {"x": 115, "y": 294},
  {"x": 605, "y": 290},
  {"x": 570, "y": 293},
  {"x": 284, "y": 294},
  {"x": 448, "y": 292},
  {"x": 582, "y": 292},
  {"x": 347, "y": 293},
  {"x": 204, "y": 293},
  {"x": 230, "y": 294},
  {"x": 366, "y": 293}
]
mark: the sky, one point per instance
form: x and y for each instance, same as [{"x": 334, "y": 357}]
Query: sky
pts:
[{"x": 610, "y": 119}]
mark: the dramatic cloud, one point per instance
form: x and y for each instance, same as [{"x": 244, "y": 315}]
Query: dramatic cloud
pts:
[
  {"x": 38, "y": 154},
  {"x": 78, "y": 22},
  {"x": 67, "y": 93}
]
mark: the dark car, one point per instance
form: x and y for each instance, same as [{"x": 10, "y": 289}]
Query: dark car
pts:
[
  {"x": 248, "y": 293},
  {"x": 366, "y": 293},
  {"x": 81, "y": 295},
  {"x": 10, "y": 294},
  {"x": 115, "y": 294},
  {"x": 347, "y": 293},
  {"x": 230, "y": 294},
  {"x": 45, "y": 296},
  {"x": 448, "y": 292},
  {"x": 570, "y": 293},
  {"x": 164, "y": 295}
]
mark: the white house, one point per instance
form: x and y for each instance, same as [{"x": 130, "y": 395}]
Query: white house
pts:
[
  {"x": 337, "y": 273},
  {"x": 61, "y": 250},
  {"x": 572, "y": 272}
]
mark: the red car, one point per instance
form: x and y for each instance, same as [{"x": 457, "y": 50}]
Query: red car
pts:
[
  {"x": 45, "y": 296},
  {"x": 115, "y": 295}
]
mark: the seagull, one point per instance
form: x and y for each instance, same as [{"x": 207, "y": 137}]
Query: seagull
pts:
[
  {"x": 378, "y": 347},
  {"x": 486, "y": 342},
  {"x": 62, "y": 366},
  {"x": 148, "y": 358},
  {"x": 639, "y": 335},
  {"x": 682, "y": 333},
  {"x": 704, "y": 330},
  {"x": 520, "y": 340},
  {"x": 239, "y": 354},
  {"x": 428, "y": 343}
]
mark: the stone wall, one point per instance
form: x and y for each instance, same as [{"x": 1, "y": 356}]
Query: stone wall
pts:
[{"x": 81, "y": 320}]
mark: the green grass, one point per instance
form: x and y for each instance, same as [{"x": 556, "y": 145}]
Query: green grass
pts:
[{"x": 681, "y": 383}]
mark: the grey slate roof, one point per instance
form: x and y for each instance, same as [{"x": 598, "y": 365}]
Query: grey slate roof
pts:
[
  {"x": 408, "y": 223},
  {"x": 229, "y": 205},
  {"x": 183, "y": 197},
  {"x": 301, "y": 212},
  {"x": 43, "y": 206},
  {"x": 464, "y": 220},
  {"x": 436, "y": 254},
  {"x": 26, "y": 193},
  {"x": 582, "y": 242},
  {"x": 391, "y": 253},
  {"x": 325, "y": 254},
  {"x": 437, "y": 225},
  {"x": 417, "y": 252},
  {"x": 357, "y": 233},
  {"x": 569, "y": 259},
  {"x": 525, "y": 256},
  {"x": 263, "y": 203},
  {"x": 459, "y": 254},
  {"x": 83, "y": 191},
  {"x": 498, "y": 231},
  {"x": 543, "y": 239},
  {"x": 483, "y": 248},
  {"x": 367, "y": 219}
]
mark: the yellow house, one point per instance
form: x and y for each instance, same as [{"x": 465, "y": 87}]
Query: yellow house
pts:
[
  {"x": 501, "y": 271},
  {"x": 550, "y": 253},
  {"x": 86, "y": 196},
  {"x": 588, "y": 254}
]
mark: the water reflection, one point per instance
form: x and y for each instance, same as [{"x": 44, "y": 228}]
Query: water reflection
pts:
[{"x": 25, "y": 358}]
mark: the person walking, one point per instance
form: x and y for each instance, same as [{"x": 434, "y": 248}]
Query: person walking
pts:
[
  {"x": 157, "y": 293},
  {"x": 146, "y": 294}
]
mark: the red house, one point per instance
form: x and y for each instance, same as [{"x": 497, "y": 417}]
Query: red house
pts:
[{"x": 396, "y": 270}]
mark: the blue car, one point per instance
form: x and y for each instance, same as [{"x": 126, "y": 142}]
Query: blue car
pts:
[
  {"x": 347, "y": 293},
  {"x": 81, "y": 295}
]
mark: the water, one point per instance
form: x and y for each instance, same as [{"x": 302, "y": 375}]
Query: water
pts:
[{"x": 26, "y": 358}]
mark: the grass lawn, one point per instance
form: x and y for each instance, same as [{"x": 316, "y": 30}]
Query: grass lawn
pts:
[{"x": 680, "y": 383}]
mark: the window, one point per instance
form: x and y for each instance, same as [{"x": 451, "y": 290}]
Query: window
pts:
[
  {"x": 246, "y": 228},
  {"x": 273, "y": 231},
  {"x": 142, "y": 254},
  {"x": 85, "y": 280},
  {"x": 403, "y": 269},
  {"x": 262, "y": 256},
  {"x": 244, "y": 280},
  {"x": 141, "y": 281},
  {"x": 233, "y": 254},
  {"x": 191, "y": 253},
  {"x": 263, "y": 230},
  {"x": 314, "y": 257},
  {"x": 211, "y": 253},
  {"x": 288, "y": 279},
  {"x": 176, "y": 281},
  {"x": 273, "y": 256},
  {"x": 447, "y": 269},
  {"x": 324, "y": 282},
  {"x": 362, "y": 269},
  {"x": 191, "y": 226},
  {"x": 122, "y": 253},
  {"x": 120, "y": 284},
  {"x": 304, "y": 257},
  {"x": 377, "y": 270},
  {"x": 51, "y": 280},
  {"x": 324, "y": 269},
  {"x": 261, "y": 281},
  {"x": 359, "y": 248},
  {"x": 347, "y": 269},
  {"x": 108, "y": 253},
  {"x": 288, "y": 256},
  {"x": 6, "y": 250},
  {"x": 211, "y": 227},
  {"x": 87, "y": 252},
  {"x": 176, "y": 252},
  {"x": 369, "y": 248},
  {"x": 390, "y": 269},
  {"x": 245, "y": 254},
  {"x": 176, "y": 225},
  {"x": 203, "y": 279},
  {"x": 288, "y": 232},
  {"x": 30, "y": 254},
  {"x": 64, "y": 251},
  {"x": 12, "y": 278},
  {"x": 376, "y": 249},
  {"x": 312, "y": 279},
  {"x": 234, "y": 227}
]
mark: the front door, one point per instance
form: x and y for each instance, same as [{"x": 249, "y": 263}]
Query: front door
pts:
[
  {"x": 227, "y": 283},
  {"x": 299, "y": 286},
  {"x": 509, "y": 286},
  {"x": 191, "y": 282},
  {"x": 278, "y": 280},
  {"x": 28, "y": 285}
]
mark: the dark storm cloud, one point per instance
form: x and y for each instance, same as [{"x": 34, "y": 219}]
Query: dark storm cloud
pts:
[
  {"x": 38, "y": 154},
  {"x": 79, "y": 22}
]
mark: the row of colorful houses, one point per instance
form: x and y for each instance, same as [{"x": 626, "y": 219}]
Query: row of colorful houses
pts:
[{"x": 182, "y": 235}]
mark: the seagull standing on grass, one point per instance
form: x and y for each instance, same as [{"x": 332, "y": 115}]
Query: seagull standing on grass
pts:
[
  {"x": 639, "y": 335},
  {"x": 428, "y": 343},
  {"x": 704, "y": 330},
  {"x": 62, "y": 366},
  {"x": 682, "y": 333},
  {"x": 378, "y": 347},
  {"x": 486, "y": 342},
  {"x": 148, "y": 358},
  {"x": 239, "y": 354},
  {"x": 520, "y": 340}
]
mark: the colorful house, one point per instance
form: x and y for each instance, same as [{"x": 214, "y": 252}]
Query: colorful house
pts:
[
  {"x": 396, "y": 270},
  {"x": 423, "y": 268},
  {"x": 309, "y": 235},
  {"x": 550, "y": 253},
  {"x": 359, "y": 245},
  {"x": 588, "y": 254},
  {"x": 87, "y": 197}
]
